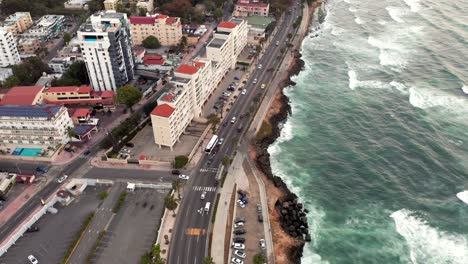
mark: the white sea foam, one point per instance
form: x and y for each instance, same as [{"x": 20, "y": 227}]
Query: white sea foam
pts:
[
  {"x": 354, "y": 83},
  {"x": 428, "y": 98},
  {"x": 428, "y": 244},
  {"x": 352, "y": 9},
  {"x": 337, "y": 31},
  {"x": 465, "y": 89},
  {"x": 395, "y": 13},
  {"x": 391, "y": 53},
  {"x": 463, "y": 196},
  {"x": 359, "y": 21},
  {"x": 399, "y": 86},
  {"x": 414, "y": 5}
]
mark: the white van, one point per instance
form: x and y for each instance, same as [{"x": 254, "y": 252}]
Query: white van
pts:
[
  {"x": 207, "y": 207},
  {"x": 277, "y": 43}
]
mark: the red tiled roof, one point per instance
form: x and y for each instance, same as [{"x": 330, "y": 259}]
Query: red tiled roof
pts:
[
  {"x": 167, "y": 97},
  {"x": 81, "y": 112},
  {"x": 163, "y": 110},
  {"x": 142, "y": 20},
  {"x": 106, "y": 101},
  {"x": 161, "y": 16},
  {"x": 21, "y": 95},
  {"x": 69, "y": 89},
  {"x": 138, "y": 52},
  {"x": 170, "y": 20},
  {"x": 261, "y": 5},
  {"x": 226, "y": 24},
  {"x": 84, "y": 89},
  {"x": 153, "y": 59},
  {"x": 107, "y": 94},
  {"x": 199, "y": 64},
  {"x": 186, "y": 69}
]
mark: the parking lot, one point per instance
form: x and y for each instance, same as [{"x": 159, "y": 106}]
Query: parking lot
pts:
[
  {"x": 133, "y": 229},
  {"x": 253, "y": 227},
  {"x": 56, "y": 232},
  {"x": 143, "y": 144}
]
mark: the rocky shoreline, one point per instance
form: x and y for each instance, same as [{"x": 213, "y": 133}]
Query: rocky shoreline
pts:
[{"x": 262, "y": 158}]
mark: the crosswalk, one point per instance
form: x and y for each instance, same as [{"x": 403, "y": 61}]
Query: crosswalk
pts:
[
  {"x": 204, "y": 188},
  {"x": 209, "y": 170}
]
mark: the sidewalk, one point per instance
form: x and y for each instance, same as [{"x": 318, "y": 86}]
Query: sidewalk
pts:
[{"x": 167, "y": 225}]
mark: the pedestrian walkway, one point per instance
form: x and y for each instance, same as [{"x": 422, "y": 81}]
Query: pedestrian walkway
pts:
[{"x": 102, "y": 218}]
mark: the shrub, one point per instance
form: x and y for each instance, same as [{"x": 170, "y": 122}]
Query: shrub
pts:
[{"x": 180, "y": 162}]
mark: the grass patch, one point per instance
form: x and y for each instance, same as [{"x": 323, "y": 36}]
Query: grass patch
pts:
[
  {"x": 215, "y": 208},
  {"x": 78, "y": 235},
  {"x": 94, "y": 248},
  {"x": 265, "y": 130},
  {"x": 120, "y": 202}
]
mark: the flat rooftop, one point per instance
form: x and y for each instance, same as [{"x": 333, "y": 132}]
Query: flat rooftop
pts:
[
  {"x": 217, "y": 43},
  {"x": 180, "y": 80}
]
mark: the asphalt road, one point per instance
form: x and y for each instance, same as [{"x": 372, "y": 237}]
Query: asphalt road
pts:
[{"x": 191, "y": 247}]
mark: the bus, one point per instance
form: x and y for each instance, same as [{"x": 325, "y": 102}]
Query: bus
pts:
[{"x": 211, "y": 144}]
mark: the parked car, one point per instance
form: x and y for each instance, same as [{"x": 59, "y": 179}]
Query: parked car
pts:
[
  {"x": 239, "y": 253},
  {"x": 262, "y": 243},
  {"x": 32, "y": 259},
  {"x": 260, "y": 218},
  {"x": 233, "y": 120},
  {"x": 130, "y": 145},
  {"x": 239, "y": 219},
  {"x": 202, "y": 196},
  {"x": 244, "y": 91},
  {"x": 184, "y": 177},
  {"x": 259, "y": 208},
  {"x": 32, "y": 229},
  {"x": 237, "y": 261},
  {"x": 254, "y": 81},
  {"x": 87, "y": 152},
  {"x": 239, "y": 232},
  {"x": 236, "y": 78},
  {"x": 238, "y": 225},
  {"x": 238, "y": 240},
  {"x": 62, "y": 178},
  {"x": 260, "y": 66},
  {"x": 175, "y": 172},
  {"x": 42, "y": 169},
  {"x": 238, "y": 245},
  {"x": 241, "y": 204}
]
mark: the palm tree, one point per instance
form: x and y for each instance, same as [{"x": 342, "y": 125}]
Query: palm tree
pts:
[
  {"x": 208, "y": 260},
  {"x": 176, "y": 186},
  {"x": 170, "y": 203},
  {"x": 71, "y": 133}
]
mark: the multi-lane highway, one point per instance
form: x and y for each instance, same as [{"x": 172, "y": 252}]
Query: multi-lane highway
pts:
[{"x": 190, "y": 246}]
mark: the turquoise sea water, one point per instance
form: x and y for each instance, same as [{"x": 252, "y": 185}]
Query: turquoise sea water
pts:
[{"x": 376, "y": 146}]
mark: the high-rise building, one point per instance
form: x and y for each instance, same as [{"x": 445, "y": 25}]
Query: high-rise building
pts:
[
  {"x": 8, "y": 51},
  {"x": 106, "y": 42}
]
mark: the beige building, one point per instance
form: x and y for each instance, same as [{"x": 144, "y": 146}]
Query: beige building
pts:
[
  {"x": 18, "y": 23},
  {"x": 245, "y": 8},
  {"x": 111, "y": 4},
  {"x": 168, "y": 30},
  {"x": 28, "y": 46},
  {"x": 147, "y": 5}
]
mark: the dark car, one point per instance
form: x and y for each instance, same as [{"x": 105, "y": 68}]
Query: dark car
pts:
[
  {"x": 215, "y": 150},
  {"x": 32, "y": 229},
  {"x": 42, "y": 169},
  {"x": 86, "y": 153},
  {"x": 238, "y": 240},
  {"x": 260, "y": 218},
  {"x": 239, "y": 231},
  {"x": 130, "y": 145},
  {"x": 175, "y": 172}
]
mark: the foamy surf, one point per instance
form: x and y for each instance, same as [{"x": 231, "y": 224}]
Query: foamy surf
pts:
[
  {"x": 395, "y": 13},
  {"x": 465, "y": 89},
  {"x": 414, "y": 5},
  {"x": 427, "y": 244},
  {"x": 428, "y": 98},
  {"x": 463, "y": 196},
  {"x": 391, "y": 53}
]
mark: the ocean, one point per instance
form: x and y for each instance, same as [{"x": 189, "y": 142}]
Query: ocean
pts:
[{"x": 376, "y": 146}]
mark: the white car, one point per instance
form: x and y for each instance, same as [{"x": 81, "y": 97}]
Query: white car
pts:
[
  {"x": 233, "y": 120},
  {"x": 184, "y": 177},
  {"x": 254, "y": 81},
  {"x": 239, "y": 253},
  {"x": 260, "y": 66},
  {"x": 241, "y": 204},
  {"x": 203, "y": 194},
  {"x": 61, "y": 179},
  {"x": 240, "y": 224},
  {"x": 32, "y": 259},
  {"x": 244, "y": 91},
  {"x": 238, "y": 246},
  {"x": 237, "y": 261},
  {"x": 221, "y": 140},
  {"x": 262, "y": 243}
]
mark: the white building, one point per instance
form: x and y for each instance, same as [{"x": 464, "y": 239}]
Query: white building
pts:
[
  {"x": 34, "y": 124},
  {"x": 46, "y": 27},
  {"x": 60, "y": 65},
  {"x": 106, "y": 42},
  {"x": 8, "y": 51}
]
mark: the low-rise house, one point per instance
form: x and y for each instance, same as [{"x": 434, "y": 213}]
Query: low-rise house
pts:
[
  {"x": 60, "y": 65},
  {"x": 23, "y": 95},
  {"x": 77, "y": 95},
  {"x": 28, "y": 46},
  {"x": 46, "y": 27},
  {"x": 244, "y": 8}
]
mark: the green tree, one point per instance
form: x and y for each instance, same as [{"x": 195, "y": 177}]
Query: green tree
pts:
[
  {"x": 170, "y": 203},
  {"x": 11, "y": 82},
  {"x": 180, "y": 161},
  {"x": 75, "y": 75},
  {"x": 258, "y": 259},
  {"x": 142, "y": 12},
  {"x": 133, "y": 9},
  {"x": 183, "y": 42},
  {"x": 226, "y": 160},
  {"x": 176, "y": 186},
  {"x": 71, "y": 133},
  {"x": 66, "y": 38},
  {"x": 119, "y": 8},
  {"x": 207, "y": 260},
  {"x": 213, "y": 119},
  {"x": 218, "y": 13},
  {"x": 151, "y": 42},
  {"x": 95, "y": 5},
  {"x": 30, "y": 70},
  {"x": 156, "y": 253},
  {"x": 128, "y": 95}
]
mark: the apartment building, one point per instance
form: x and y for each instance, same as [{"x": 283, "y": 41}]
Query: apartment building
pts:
[
  {"x": 34, "y": 125},
  {"x": 111, "y": 5},
  {"x": 46, "y": 28},
  {"x": 28, "y": 46},
  {"x": 147, "y": 5},
  {"x": 106, "y": 42},
  {"x": 244, "y": 8},
  {"x": 18, "y": 23},
  {"x": 168, "y": 30},
  {"x": 227, "y": 44},
  {"x": 60, "y": 65},
  {"x": 8, "y": 51}
]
